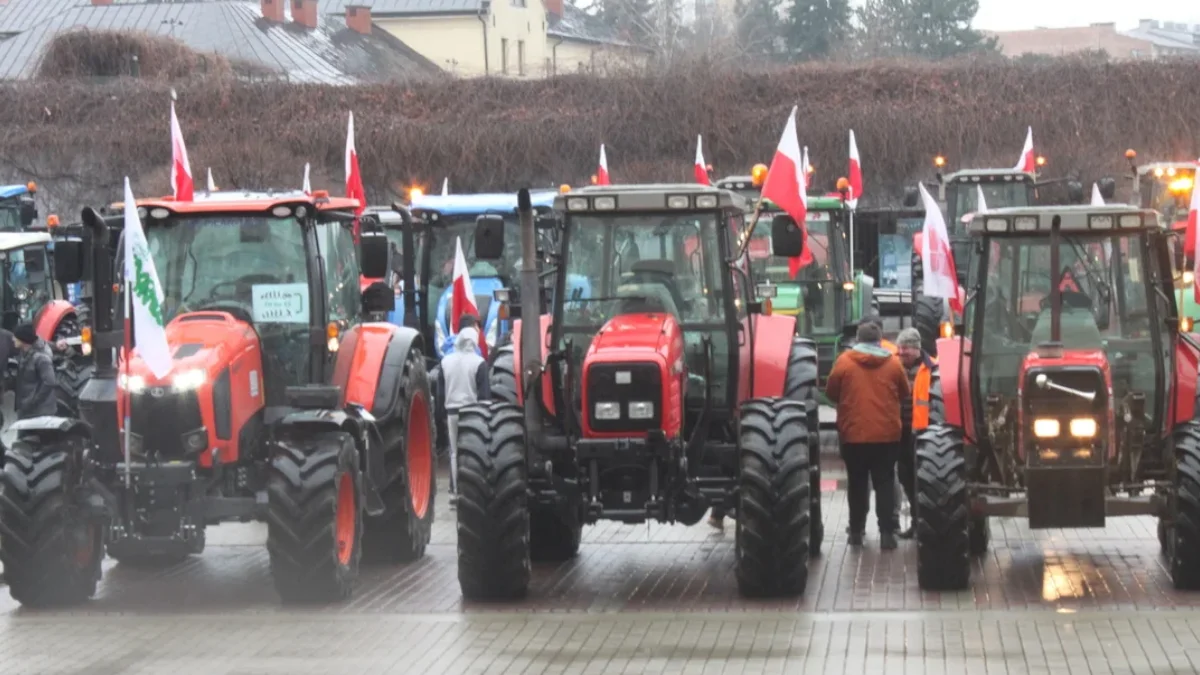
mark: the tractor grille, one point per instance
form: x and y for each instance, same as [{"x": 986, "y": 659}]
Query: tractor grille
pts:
[
  {"x": 1042, "y": 404},
  {"x": 645, "y": 384},
  {"x": 163, "y": 420}
]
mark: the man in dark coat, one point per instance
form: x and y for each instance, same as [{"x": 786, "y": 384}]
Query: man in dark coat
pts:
[{"x": 35, "y": 383}]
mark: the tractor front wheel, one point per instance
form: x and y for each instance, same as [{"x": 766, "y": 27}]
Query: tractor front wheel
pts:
[
  {"x": 1183, "y": 535},
  {"x": 51, "y": 551},
  {"x": 926, "y": 318},
  {"x": 503, "y": 377},
  {"x": 493, "y": 502},
  {"x": 800, "y": 384},
  {"x": 773, "y": 526},
  {"x": 70, "y": 378},
  {"x": 943, "y": 517},
  {"x": 314, "y": 517}
]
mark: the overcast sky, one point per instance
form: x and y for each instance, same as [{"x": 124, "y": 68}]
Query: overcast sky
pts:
[{"x": 1024, "y": 14}]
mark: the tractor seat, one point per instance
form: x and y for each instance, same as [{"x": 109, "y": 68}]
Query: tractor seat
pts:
[
  {"x": 646, "y": 298},
  {"x": 657, "y": 272}
]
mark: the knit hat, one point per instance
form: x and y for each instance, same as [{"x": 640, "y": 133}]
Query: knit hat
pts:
[
  {"x": 25, "y": 333},
  {"x": 909, "y": 337}
]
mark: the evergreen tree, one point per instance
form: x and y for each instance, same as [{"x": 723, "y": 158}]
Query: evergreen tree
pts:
[
  {"x": 935, "y": 29},
  {"x": 816, "y": 27},
  {"x": 759, "y": 26}
]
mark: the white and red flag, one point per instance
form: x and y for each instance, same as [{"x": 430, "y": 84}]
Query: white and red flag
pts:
[
  {"x": 602, "y": 172},
  {"x": 701, "y": 169},
  {"x": 855, "y": 177},
  {"x": 785, "y": 186},
  {"x": 181, "y": 170},
  {"x": 1027, "y": 162},
  {"x": 462, "y": 298},
  {"x": 354, "y": 184},
  {"x": 937, "y": 259}
]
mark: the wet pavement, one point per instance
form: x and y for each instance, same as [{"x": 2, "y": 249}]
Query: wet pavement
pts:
[{"x": 640, "y": 599}]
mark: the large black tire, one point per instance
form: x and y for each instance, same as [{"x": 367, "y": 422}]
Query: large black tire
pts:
[
  {"x": 70, "y": 378},
  {"x": 943, "y": 510},
  {"x": 927, "y": 319},
  {"x": 980, "y": 535},
  {"x": 1183, "y": 533},
  {"x": 493, "y": 502},
  {"x": 314, "y": 517},
  {"x": 503, "y": 380},
  {"x": 51, "y": 552},
  {"x": 800, "y": 384},
  {"x": 937, "y": 404},
  {"x": 555, "y": 535},
  {"x": 402, "y": 532},
  {"x": 773, "y": 499}
]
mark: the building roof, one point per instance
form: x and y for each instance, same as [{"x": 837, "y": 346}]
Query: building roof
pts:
[
  {"x": 1075, "y": 39},
  {"x": 1175, "y": 36},
  {"x": 235, "y": 29},
  {"x": 576, "y": 24},
  {"x": 398, "y": 8}
]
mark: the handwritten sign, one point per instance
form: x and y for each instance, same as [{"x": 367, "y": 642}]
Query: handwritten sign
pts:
[{"x": 280, "y": 303}]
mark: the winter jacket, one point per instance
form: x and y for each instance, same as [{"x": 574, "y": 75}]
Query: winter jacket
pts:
[
  {"x": 464, "y": 373},
  {"x": 35, "y": 383},
  {"x": 868, "y": 385}
]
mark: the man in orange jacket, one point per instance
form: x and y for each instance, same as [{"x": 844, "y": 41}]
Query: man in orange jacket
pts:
[{"x": 919, "y": 367}]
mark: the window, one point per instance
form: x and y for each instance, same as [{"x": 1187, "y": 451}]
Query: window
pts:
[
  {"x": 343, "y": 297},
  {"x": 504, "y": 55},
  {"x": 520, "y": 57}
]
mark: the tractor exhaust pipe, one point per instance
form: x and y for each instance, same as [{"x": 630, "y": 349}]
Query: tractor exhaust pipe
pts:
[{"x": 531, "y": 348}]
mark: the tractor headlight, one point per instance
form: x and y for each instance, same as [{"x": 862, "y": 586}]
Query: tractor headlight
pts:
[
  {"x": 641, "y": 410},
  {"x": 22, "y": 294},
  {"x": 189, "y": 380},
  {"x": 608, "y": 410},
  {"x": 1046, "y": 428},
  {"x": 134, "y": 384},
  {"x": 1083, "y": 427}
]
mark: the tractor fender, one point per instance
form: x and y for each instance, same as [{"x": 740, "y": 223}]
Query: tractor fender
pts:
[
  {"x": 547, "y": 389},
  {"x": 51, "y": 426},
  {"x": 953, "y": 364},
  {"x": 772, "y": 349},
  {"x": 51, "y": 315},
  {"x": 1187, "y": 364},
  {"x": 367, "y": 357}
]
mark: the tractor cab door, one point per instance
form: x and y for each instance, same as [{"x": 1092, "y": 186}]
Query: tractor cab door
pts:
[
  {"x": 28, "y": 286},
  {"x": 339, "y": 282}
]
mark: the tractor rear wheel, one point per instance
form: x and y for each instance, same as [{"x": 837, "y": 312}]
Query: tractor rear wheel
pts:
[
  {"x": 773, "y": 526},
  {"x": 51, "y": 552},
  {"x": 314, "y": 517},
  {"x": 943, "y": 517},
  {"x": 70, "y": 378},
  {"x": 402, "y": 531},
  {"x": 554, "y": 534},
  {"x": 493, "y": 502},
  {"x": 1183, "y": 536},
  {"x": 926, "y": 318},
  {"x": 801, "y": 384},
  {"x": 980, "y": 535},
  {"x": 504, "y": 375}
]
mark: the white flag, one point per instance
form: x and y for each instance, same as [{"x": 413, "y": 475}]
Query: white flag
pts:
[
  {"x": 212, "y": 187},
  {"x": 1097, "y": 198},
  {"x": 981, "y": 204},
  {"x": 445, "y": 186},
  {"x": 307, "y": 183},
  {"x": 144, "y": 293}
]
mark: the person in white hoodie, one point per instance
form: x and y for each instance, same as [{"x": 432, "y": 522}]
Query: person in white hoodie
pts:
[{"x": 464, "y": 380}]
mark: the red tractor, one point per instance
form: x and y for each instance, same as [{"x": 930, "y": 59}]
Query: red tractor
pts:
[
  {"x": 282, "y": 405},
  {"x": 665, "y": 389},
  {"x": 1070, "y": 398}
]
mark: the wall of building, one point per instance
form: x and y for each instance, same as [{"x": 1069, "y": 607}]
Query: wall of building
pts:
[
  {"x": 517, "y": 38},
  {"x": 455, "y": 44},
  {"x": 1063, "y": 41},
  {"x": 571, "y": 56}
]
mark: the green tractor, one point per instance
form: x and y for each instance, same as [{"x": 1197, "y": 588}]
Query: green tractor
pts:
[
  {"x": 827, "y": 297},
  {"x": 1167, "y": 188}
]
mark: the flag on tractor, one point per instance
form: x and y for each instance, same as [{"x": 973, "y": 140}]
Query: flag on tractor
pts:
[
  {"x": 937, "y": 258},
  {"x": 1097, "y": 198},
  {"x": 446, "y": 186},
  {"x": 307, "y": 182},
  {"x": 1027, "y": 162},
  {"x": 462, "y": 298},
  {"x": 602, "y": 171},
  {"x": 354, "y": 184},
  {"x": 785, "y": 186},
  {"x": 855, "y": 176},
  {"x": 212, "y": 186},
  {"x": 181, "y": 171},
  {"x": 980, "y": 200},
  {"x": 700, "y": 169},
  {"x": 144, "y": 295}
]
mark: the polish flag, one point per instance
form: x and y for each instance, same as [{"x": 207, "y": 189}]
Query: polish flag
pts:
[
  {"x": 937, "y": 261},
  {"x": 354, "y": 184},
  {"x": 462, "y": 298},
  {"x": 700, "y": 169},
  {"x": 181, "y": 170},
  {"x": 602, "y": 172},
  {"x": 1027, "y": 162},
  {"x": 1097, "y": 198},
  {"x": 307, "y": 181},
  {"x": 785, "y": 187},
  {"x": 855, "y": 177},
  {"x": 1193, "y": 232}
]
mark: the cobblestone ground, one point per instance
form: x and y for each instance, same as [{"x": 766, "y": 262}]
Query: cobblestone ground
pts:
[{"x": 640, "y": 599}]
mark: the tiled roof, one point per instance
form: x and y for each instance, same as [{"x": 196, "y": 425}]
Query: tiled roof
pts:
[
  {"x": 405, "y": 7},
  {"x": 1164, "y": 38},
  {"x": 331, "y": 54},
  {"x": 576, "y": 24}
]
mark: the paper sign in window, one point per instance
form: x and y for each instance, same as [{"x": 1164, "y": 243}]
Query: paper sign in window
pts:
[{"x": 280, "y": 303}]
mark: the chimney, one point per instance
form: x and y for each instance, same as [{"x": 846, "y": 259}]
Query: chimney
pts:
[
  {"x": 358, "y": 19},
  {"x": 272, "y": 10},
  {"x": 304, "y": 12},
  {"x": 554, "y": 7}
]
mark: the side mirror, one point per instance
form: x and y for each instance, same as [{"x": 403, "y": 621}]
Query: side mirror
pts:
[
  {"x": 911, "y": 197},
  {"x": 786, "y": 238},
  {"x": 29, "y": 212},
  {"x": 1074, "y": 192},
  {"x": 489, "y": 237},
  {"x": 373, "y": 252},
  {"x": 69, "y": 258},
  {"x": 1108, "y": 187}
]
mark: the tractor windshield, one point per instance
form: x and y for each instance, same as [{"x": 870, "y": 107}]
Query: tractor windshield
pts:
[
  {"x": 812, "y": 295},
  {"x": 444, "y": 234},
  {"x": 1105, "y": 307},
  {"x": 10, "y": 216},
  {"x": 996, "y": 194},
  {"x": 26, "y": 287}
]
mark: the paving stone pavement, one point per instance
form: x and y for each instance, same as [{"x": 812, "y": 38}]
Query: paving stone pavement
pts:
[{"x": 640, "y": 599}]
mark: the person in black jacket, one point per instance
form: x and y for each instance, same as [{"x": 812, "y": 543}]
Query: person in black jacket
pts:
[{"x": 35, "y": 383}]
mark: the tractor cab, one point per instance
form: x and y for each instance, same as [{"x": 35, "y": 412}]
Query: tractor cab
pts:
[
  {"x": 392, "y": 225},
  {"x": 1167, "y": 187},
  {"x": 28, "y": 285},
  {"x": 18, "y": 211}
]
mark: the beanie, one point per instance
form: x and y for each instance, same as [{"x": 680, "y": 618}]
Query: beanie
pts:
[
  {"x": 25, "y": 333},
  {"x": 909, "y": 337}
]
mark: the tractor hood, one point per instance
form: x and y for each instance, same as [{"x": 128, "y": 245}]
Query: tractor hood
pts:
[
  {"x": 202, "y": 344},
  {"x": 638, "y": 336}
]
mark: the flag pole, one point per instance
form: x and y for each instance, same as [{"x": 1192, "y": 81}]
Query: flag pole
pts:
[{"x": 128, "y": 390}]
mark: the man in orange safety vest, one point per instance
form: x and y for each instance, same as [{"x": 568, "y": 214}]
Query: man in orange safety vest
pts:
[{"x": 919, "y": 366}]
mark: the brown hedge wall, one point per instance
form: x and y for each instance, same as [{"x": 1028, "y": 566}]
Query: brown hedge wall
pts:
[{"x": 80, "y": 137}]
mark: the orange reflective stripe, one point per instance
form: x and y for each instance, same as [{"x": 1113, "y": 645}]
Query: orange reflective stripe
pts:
[{"x": 920, "y": 414}]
